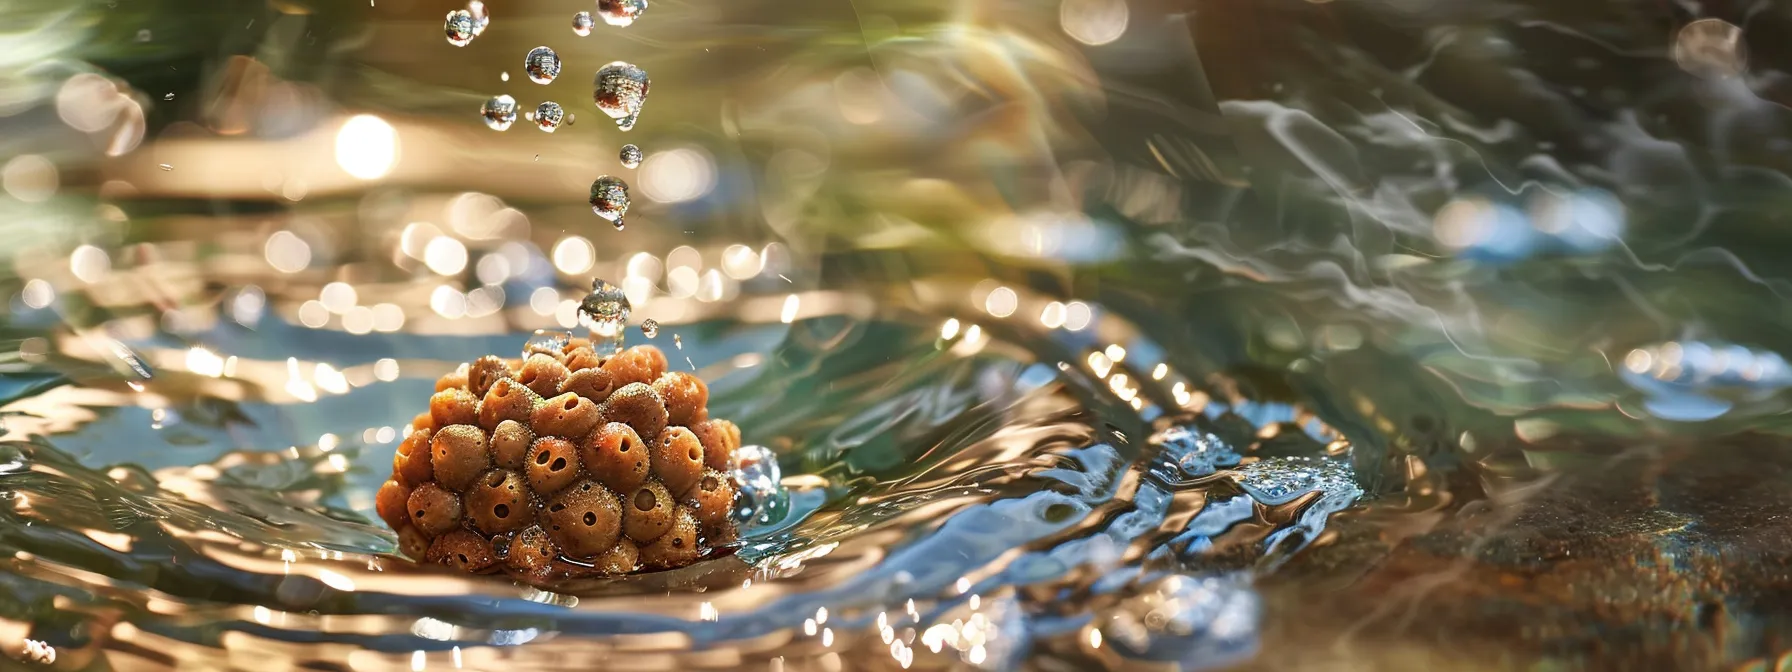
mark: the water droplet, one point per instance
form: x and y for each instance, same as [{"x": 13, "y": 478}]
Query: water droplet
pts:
[
  {"x": 609, "y": 198},
  {"x": 542, "y": 64},
  {"x": 548, "y": 116},
  {"x": 459, "y": 27},
  {"x": 547, "y": 341},
  {"x": 504, "y": 76},
  {"x": 619, "y": 89},
  {"x": 581, "y": 24},
  {"x": 499, "y": 112},
  {"x": 758, "y": 479},
  {"x": 677, "y": 342},
  {"x": 481, "y": 18},
  {"x": 168, "y": 97},
  {"x": 621, "y": 13},
  {"x": 631, "y": 156},
  {"x": 143, "y": 35},
  {"x": 650, "y": 328},
  {"x": 605, "y": 311}
]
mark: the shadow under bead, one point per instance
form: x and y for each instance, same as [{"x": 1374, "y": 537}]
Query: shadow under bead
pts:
[
  {"x": 685, "y": 396},
  {"x": 459, "y": 456},
  {"x": 434, "y": 510},
  {"x": 616, "y": 455},
  {"x": 461, "y": 550},
  {"x": 585, "y": 519},
  {"x": 678, "y": 459},
  {"x": 484, "y": 372},
  {"x": 510, "y": 444},
  {"x": 499, "y": 502},
  {"x": 412, "y": 462},
  {"x": 568, "y": 415},
  {"x": 555, "y": 465},
  {"x": 648, "y": 512},
  {"x": 636, "y": 405},
  {"x": 507, "y": 400},
  {"x": 544, "y": 374}
]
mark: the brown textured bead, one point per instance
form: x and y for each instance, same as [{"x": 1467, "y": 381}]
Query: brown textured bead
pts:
[
  {"x": 647, "y": 512},
  {"x": 507, "y": 400},
  {"x": 484, "y": 372},
  {"x": 637, "y": 406},
  {"x": 616, "y": 455},
  {"x": 461, "y": 550},
  {"x": 685, "y": 396},
  {"x": 422, "y": 421},
  {"x": 454, "y": 407},
  {"x": 712, "y": 499},
  {"x": 434, "y": 510},
  {"x": 577, "y": 342},
  {"x": 543, "y": 374},
  {"x": 412, "y": 542},
  {"x": 568, "y": 415},
  {"x": 636, "y": 365},
  {"x": 511, "y": 442},
  {"x": 531, "y": 550},
  {"x": 585, "y": 519},
  {"x": 593, "y": 384},
  {"x": 459, "y": 455},
  {"x": 720, "y": 438},
  {"x": 580, "y": 359},
  {"x": 499, "y": 502},
  {"x": 412, "y": 461},
  {"x": 390, "y": 503},
  {"x": 678, "y": 459},
  {"x": 677, "y": 547},
  {"x": 622, "y": 558},
  {"x": 554, "y": 465},
  {"x": 453, "y": 379}
]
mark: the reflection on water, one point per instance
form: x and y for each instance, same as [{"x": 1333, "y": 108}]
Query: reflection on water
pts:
[{"x": 1092, "y": 334}]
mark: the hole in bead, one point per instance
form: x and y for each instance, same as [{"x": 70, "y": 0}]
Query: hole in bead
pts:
[
  {"x": 624, "y": 447},
  {"x": 557, "y": 507},
  {"x": 462, "y": 556},
  {"x": 696, "y": 454},
  {"x": 501, "y": 510},
  {"x": 678, "y": 542},
  {"x": 419, "y": 513},
  {"x": 559, "y": 463},
  {"x": 542, "y": 457},
  {"x": 572, "y": 403},
  {"x": 590, "y": 519},
  {"x": 644, "y": 499},
  {"x": 710, "y": 483},
  {"x": 495, "y": 480},
  {"x": 528, "y": 376}
]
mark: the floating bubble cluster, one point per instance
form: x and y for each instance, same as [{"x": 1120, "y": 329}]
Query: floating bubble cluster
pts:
[
  {"x": 650, "y": 328},
  {"x": 542, "y": 65},
  {"x": 609, "y": 199},
  {"x": 620, "y": 89},
  {"x": 582, "y": 23},
  {"x": 499, "y": 112},
  {"x": 621, "y": 13},
  {"x": 459, "y": 27},
  {"x": 605, "y": 310},
  {"x": 548, "y": 116},
  {"x": 631, "y": 156}
]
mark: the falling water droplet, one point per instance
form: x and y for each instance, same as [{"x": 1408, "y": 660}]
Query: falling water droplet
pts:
[
  {"x": 168, "y": 97},
  {"x": 758, "y": 479},
  {"x": 605, "y": 312},
  {"x": 631, "y": 156},
  {"x": 547, "y": 341},
  {"x": 677, "y": 342},
  {"x": 542, "y": 64},
  {"x": 499, "y": 112},
  {"x": 609, "y": 198},
  {"x": 581, "y": 24},
  {"x": 628, "y": 123},
  {"x": 650, "y": 328},
  {"x": 621, "y": 13},
  {"x": 620, "y": 89},
  {"x": 459, "y": 27},
  {"x": 548, "y": 116},
  {"x": 481, "y": 18}
]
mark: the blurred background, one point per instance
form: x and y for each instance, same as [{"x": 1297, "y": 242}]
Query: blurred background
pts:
[{"x": 1089, "y": 334}]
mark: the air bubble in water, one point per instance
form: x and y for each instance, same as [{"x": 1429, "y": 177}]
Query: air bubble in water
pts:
[
  {"x": 758, "y": 480},
  {"x": 499, "y": 112},
  {"x": 481, "y": 18},
  {"x": 650, "y": 328},
  {"x": 621, "y": 13},
  {"x": 605, "y": 311},
  {"x": 619, "y": 89},
  {"x": 459, "y": 27},
  {"x": 542, "y": 64},
  {"x": 609, "y": 198},
  {"x": 581, "y": 24},
  {"x": 546, "y": 341},
  {"x": 631, "y": 156},
  {"x": 548, "y": 116}
]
